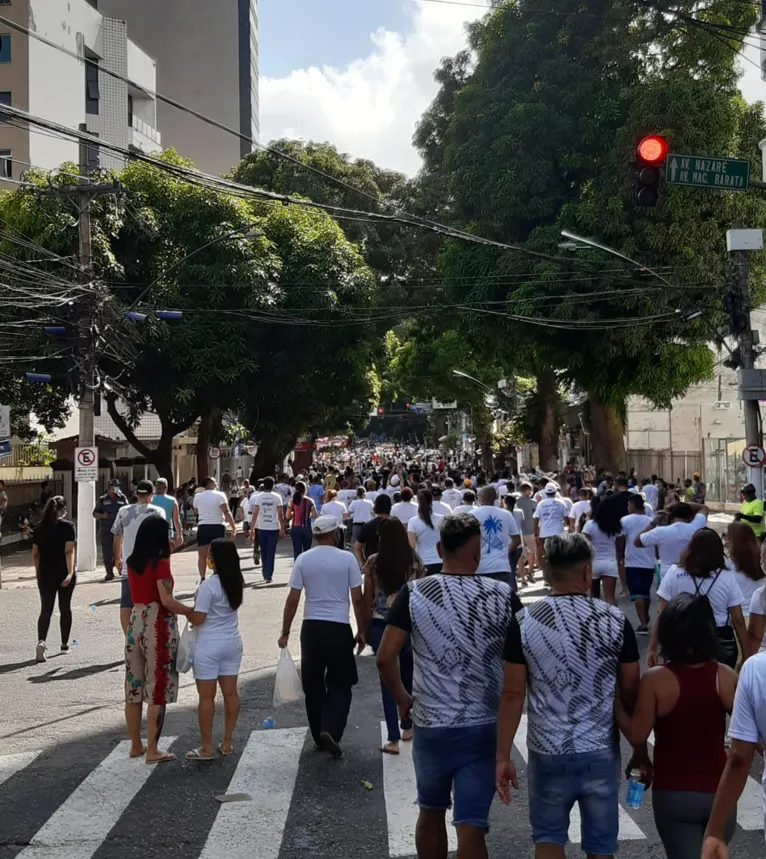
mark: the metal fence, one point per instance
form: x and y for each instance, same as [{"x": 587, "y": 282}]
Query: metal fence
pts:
[
  {"x": 724, "y": 471},
  {"x": 24, "y": 503},
  {"x": 671, "y": 465}
]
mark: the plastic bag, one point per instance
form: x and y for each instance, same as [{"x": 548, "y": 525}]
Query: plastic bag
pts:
[
  {"x": 287, "y": 685},
  {"x": 185, "y": 657}
]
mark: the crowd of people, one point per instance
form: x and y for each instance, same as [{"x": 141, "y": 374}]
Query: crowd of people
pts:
[{"x": 432, "y": 558}]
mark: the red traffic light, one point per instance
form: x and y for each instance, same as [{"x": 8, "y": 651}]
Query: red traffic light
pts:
[
  {"x": 380, "y": 410},
  {"x": 407, "y": 405},
  {"x": 652, "y": 149}
]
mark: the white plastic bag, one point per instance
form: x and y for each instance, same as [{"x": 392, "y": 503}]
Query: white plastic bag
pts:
[
  {"x": 287, "y": 685},
  {"x": 185, "y": 657}
]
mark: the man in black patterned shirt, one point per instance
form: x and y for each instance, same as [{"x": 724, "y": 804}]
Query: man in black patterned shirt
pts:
[
  {"x": 569, "y": 655},
  {"x": 458, "y": 623}
]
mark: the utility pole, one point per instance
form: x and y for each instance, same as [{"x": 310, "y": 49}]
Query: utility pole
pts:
[{"x": 737, "y": 304}]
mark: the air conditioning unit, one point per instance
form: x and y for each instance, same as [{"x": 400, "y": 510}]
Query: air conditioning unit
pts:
[{"x": 721, "y": 406}]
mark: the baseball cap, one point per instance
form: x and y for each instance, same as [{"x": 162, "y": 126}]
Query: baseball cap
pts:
[
  {"x": 113, "y": 482},
  {"x": 325, "y": 525},
  {"x": 145, "y": 487},
  {"x": 748, "y": 487},
  {"x": 394, "y": 480},
  {"x": 550, "y": 489}
]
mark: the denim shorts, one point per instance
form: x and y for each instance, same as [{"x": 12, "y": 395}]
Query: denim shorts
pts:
[
  {"x": 458, "y": 761},
  {"x": 557, "y": 782},
  {"x": 639, "y": 581},
  {"x": 125, "y": 600}
]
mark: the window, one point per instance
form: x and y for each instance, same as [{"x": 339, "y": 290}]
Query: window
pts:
[
  {"x": 5, "y": 47},
  {"x": 92, "y": 93},
  {"x": 130, "y": 110},
  {"x": 5, "y": 98},
  {"x": 6, "y": 164}
]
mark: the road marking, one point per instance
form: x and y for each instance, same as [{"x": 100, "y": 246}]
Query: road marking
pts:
[
  {"x": 11, "y": 764},
  {"x": 267, "y": 771},
  {"x": 79, "y": 826},
  {"x": 629, "y": 829},
  {"x": 400, "y": 793}
]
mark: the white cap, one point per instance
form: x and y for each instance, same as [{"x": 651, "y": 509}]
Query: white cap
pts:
[
  {"x": 394, "y": 480},
  {"x": 325, "y": 525},
  {"x": 550, "y": 489}
]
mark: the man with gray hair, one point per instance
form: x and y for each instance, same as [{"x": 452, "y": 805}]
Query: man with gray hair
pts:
[
  {"x": 170, "y": 506},
  {"x": 574, "y": 654}
]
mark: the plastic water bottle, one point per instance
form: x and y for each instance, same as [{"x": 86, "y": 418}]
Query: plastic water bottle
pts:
[
  {"x": 75, "y": 642},
  {"x": 268, "y": 723},
  {"x": 635, "y": 790}
]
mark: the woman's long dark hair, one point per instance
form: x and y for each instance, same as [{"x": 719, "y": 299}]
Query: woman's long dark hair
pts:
[
  {"x": 704, "y": 554},
  {"x": 426, "y": 506},
  {"x": 300, "y": 491},
  {"x": 226, "y": 564},
  {"x": 151, "y": 544},
  {"x": 744, "y": 550},
  {"x": 395, "y": 558},
  {"x": 606, "y": 516},
  {"x": 53, "y": 507},
  {"x": 686, "y": 631}
]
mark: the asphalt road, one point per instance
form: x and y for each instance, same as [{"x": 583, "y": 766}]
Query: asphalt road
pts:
[{"x": 68, "y": 791}]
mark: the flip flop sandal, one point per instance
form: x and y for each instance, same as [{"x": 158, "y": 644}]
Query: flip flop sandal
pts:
[
  {"x": 196, "y": 755},
  {"x": 389, "y": 751},
  {"x": 163, "y": 760},
  {"x": 222, "y": 752}
]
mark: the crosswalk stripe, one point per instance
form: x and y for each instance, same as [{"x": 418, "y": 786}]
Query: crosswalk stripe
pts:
[
  {"x": 629, "y": 829},
  {"x": 267, "y": 771},
  {"x": 400, "y": 793},
  {"x": 79, "y": 826},
  {"x": 11, "y": 764}
]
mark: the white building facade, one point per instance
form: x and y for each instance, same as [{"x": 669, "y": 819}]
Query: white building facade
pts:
[{"x": 48, "y": 82}]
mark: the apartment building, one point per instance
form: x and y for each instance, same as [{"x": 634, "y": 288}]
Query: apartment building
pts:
[
  {"x": 46, "y": 81},
  {"x": 207, "y": 59}
]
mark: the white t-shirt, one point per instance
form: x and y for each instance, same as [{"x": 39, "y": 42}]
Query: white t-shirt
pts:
[
  {"x": 551, "y": 512},
  {"x": 604, "y": 548},
  {"x": 465, "y": 508},
  {"x": 404, "y": 511},
  {"x": 452, "y": 497},
  {"x": 569, "y": 503},
  {"x": 578, "y": 508},
  {"x": 757, "y": 607},
  {"x": 208, "y": 507},
  {"x": 269, "y": 504},
  {"x": 286, "y": 491},
  {"x": 334, "y": 508},
  {"x": 723, "y": 593},
  {"x": 442, "y": 509},
  {"x": 632, "y": 525},
  {"x": 651, "y": 493},
  {"x": 326, "y": 574},
  {"x": 247, "y": 510},
  {"x": 672, "y": 539},
  {"x": 748, "y": 719},
  {"x": 221, "y": 621},
  {"x": 361, "y": 510},
  {"x": 747, "y": 586},
  {"x": 427, "y": 538},
  {"x": 127, "y": 523},
  {"x": 346, "y": 496},
  {"x": 497, "y": 528}
]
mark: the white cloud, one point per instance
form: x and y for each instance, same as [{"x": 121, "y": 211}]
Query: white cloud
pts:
[{"x": 370, "y": 107}]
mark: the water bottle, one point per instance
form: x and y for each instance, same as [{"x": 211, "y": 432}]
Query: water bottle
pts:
[
  {"x": 635, "y": 790},
  {"x": 268, "y": 723}
]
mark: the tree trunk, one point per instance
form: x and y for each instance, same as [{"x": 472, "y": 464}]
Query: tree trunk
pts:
[
  {"x": 204, "y": 439},
  {"x": 548, "y": 420},
  {"x": 271, "y": 451},
  {"x": 607, "y": 435}
]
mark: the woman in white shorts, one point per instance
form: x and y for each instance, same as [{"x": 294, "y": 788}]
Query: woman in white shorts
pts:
[
  {"x": 605, "y": 536},
  {"x": 218, "y": 648}
]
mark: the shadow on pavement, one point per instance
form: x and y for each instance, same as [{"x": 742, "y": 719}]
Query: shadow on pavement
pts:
[
  {"x": 75, "y": 673},
  {"x": 17, "y": 666}
]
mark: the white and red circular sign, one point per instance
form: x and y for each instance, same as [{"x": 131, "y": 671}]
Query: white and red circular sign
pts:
[
  {"x": 754, "y": 456},
  {"x": 214, "y": 452},
  {"x": 86, "y": 457}
]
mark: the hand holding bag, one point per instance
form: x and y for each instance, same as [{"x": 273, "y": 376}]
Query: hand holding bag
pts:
[{"x": 185, "y": 657}]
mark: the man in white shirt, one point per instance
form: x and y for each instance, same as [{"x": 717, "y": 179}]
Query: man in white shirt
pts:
[
  {"x": 268, "y": 525},
  {"x": 500, "y": 535},
  {"x": 671, "y": 540},
  {"x": 405, "y": 509},
  {"x": 469, "y": 502},
  {"x": 328, "y": 576},
  {"x": 213, "y": 514},
  {"x": 650, "y": 492},
  {"x": 285, "y": 490},
  {"x": 580, "y": 507},
  {"x": 451, "y": 496},
  {"x": 440, "y": 508},
  {"x": 639, "y": 562}
]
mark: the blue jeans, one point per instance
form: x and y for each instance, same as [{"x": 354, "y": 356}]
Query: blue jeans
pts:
[
  {"x": 557, "y": 782},
  {"x": 267, "y": 542},
  {"x": 301, "y": 536},
  {"x": 390, "y": 710},
  {"x": 458, "y": 761}
]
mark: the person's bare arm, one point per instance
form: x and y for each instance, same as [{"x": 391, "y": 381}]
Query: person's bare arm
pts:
[
  {"x": 755, "y": 626},
  {"x": 197, "y": 618},
  {"x": 117, "y": 550},
  {"x": 628, "y": 678},
  {"x": 369, "y": 589},
  {"x": 536, "y": 525},
  {"x": 740, "y": 630},
  {"x": 359, "y": 553},
  {"x": 69, "y": 551},
  {"x": 651, "y": 653},
  {"x": 515, "y": 542},
  {"x": 637, "y": 542},
  {"x": 727, "y": 686},
  {"x": 730, "y": 789},
  {"x": 508, "y": 718},
  {"x": 177, "y": 525},
  {"x": 228, "y": 517},
  {"x": 288, "y": 615},
  {"x": 387, "y": 660},
  {"x": 165, "y": 588},
  {"x": 357, "y": 601},
  {"x": 636, "y": 728},
  {"x": 36, "y": 558}
]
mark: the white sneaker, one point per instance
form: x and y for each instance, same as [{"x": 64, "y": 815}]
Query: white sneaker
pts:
[{"x": 40, "y": 652}]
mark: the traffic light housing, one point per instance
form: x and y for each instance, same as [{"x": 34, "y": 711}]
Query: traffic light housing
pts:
[
  {"x": 651, "y": 152},
  {"x": 380, "y": 411}
]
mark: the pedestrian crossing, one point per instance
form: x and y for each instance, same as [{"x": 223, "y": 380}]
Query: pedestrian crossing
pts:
[{"x": 282, "y": 778}]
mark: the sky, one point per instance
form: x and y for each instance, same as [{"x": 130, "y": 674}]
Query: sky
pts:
[{"x": 359, "y": 73}]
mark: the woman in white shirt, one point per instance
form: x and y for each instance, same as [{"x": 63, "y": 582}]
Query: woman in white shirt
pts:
[
  {"x": 218, "y": 647},
  {"x": 703, "y": 573},
  {"x": 423, "y": 533},
  {"x": 361, "y": 512},
  {"x": 605, "y": 534},
  {"x": 745, "y": 561}
]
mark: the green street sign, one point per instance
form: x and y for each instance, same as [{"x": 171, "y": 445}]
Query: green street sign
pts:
[{"x": 699, "y": 171}]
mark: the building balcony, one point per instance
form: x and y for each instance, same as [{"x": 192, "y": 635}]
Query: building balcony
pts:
[{"x": 143, "y": 136}]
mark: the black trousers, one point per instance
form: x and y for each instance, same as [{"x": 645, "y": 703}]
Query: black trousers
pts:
[
  {"x": 48, "y": 592},
  {"x": 328, "y": 672}
]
